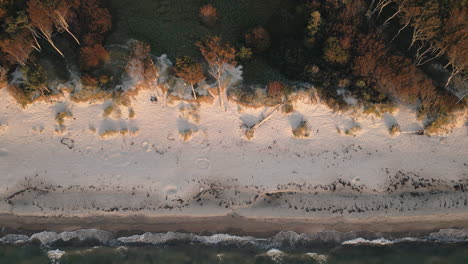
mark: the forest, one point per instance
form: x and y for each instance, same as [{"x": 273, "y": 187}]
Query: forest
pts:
[{"x": 382, "y": 52}]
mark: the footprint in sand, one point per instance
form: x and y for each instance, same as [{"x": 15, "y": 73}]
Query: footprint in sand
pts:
[{"x": 203, "y": 163}]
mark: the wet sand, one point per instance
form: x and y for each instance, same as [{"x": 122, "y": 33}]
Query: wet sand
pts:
[{"x": 235, "y": 225}]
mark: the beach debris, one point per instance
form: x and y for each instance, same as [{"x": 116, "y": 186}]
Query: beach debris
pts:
[
  {"x": 249, "y": 131},
  {"x": 68, "y": 142}
]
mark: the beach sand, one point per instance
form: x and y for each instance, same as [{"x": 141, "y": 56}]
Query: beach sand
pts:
[{"x": 149, "y": 178}]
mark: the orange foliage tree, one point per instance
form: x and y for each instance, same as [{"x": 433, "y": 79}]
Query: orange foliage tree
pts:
[
  {"x": 208, "y": 15},
  {"x": 41, "y": 21},
  {"x": 258, "y": 39},
  {"x": 189, "y": 70},
  {"x": 217, "y": 54},
  {"x": 398, "y": 76},
  {"x": 455, "y": 42},
  {"x": 18, "y": 48},
  {"x": 92, "y": 22},
  {"x": 93, "y": 56}
]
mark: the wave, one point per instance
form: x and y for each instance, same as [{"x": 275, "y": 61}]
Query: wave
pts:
[{"x": 284, "y": 239}]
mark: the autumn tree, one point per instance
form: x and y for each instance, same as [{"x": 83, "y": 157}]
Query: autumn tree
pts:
[
  {"x": 208, "y": 15},
  {"x": 217, "y": 54},
  {"x": 335, "y": 52},
  {"x": 455, "y": 43},
  {"x": 93, "y": 56},
  {"x": 92, "y": 22},
  {"x": 61, "y": 13},
  {"x": 41, "y": 21},
  {"x": 258, "y": 39},
  {"x": 97, "y": 19},
  {"x": 189, "y": 70},
  {"x": 18, "y": 47},
  {"x": 313, "y": 26}
]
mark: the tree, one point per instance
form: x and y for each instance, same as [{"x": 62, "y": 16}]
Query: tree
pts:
[
  {"x": 18, "y": 47},
  {"x": 189, "y": 70},
  {"x": 425, "y": 20},
  {"x": 334, "y": 51},
  {"x": 39, "y": 13},
  {"x": 455, "y": 42},
  {"x": 93, "y": 56},
  {"x": 217, "y": 55},
  {"x": 258, "y": 39},
  {"x": 313, "y": 26},
  {"x": 98, "y": 20},
  {"x": 62, "y": 12},
  {"x": 208, "y": 15}
]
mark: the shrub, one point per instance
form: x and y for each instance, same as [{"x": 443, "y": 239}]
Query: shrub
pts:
[
  {"x": 302, "y": 130},
  {"x": 3, "y": 74},
  {"x": 190, "y": 71},
  {"x": 334, "y": 52},
  {"x": 249, "y": 133},
  {"x": 275, "y": 89},
  {"x": 378, "y": 109},
  {"x": 244, "y": 54},
  {"x": 19, "y": 95},
  {"x": 89, "y": 81},
  {"x": 108, "y": 110},
  {"x": 258, "y": 39},
  {"x": 287, "y": 108},
  {"x": 124, "y": 131},
  {"x": 131, "y": 113},
  {"x": 208, "y": 15},
  {"x": 443, "y": 124},
  {"x": 394, "y": 129},
  {"x": 35, "y": 80},
  {"x": 313, "y": 26}
]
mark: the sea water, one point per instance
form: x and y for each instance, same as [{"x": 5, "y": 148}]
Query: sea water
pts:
[{"x": 402, "y": 253}]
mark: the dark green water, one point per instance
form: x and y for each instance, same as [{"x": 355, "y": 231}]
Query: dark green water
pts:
[{"x": 411, "y": 253}]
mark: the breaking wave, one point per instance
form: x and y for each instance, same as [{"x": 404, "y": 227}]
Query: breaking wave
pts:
[{"x": 285, "y": 239}]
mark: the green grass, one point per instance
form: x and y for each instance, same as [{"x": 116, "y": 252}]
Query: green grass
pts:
[{"x": 172, "y": 26}]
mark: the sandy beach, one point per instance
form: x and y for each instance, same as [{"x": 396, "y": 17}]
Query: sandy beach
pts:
[{"x": 217, "y": 179}]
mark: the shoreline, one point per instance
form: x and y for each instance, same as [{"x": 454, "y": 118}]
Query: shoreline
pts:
[{"x": 232, "y": 224}]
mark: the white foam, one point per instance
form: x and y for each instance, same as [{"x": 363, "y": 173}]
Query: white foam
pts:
[
  {"x": 362, "y": 241},
  {"x": 55, "y": 255}
]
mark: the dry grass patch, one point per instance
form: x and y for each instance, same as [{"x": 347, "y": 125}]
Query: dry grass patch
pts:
[
  {"x": 302, "y": 130},
  {"x": 112, "y": 111},
  {"x": 108, "y": 133},
  {"x": 379, "y": 109},
  {"x": 287, "y": 108},
  {"x": 131, "y": 113},
  {"x": 353, "y": 131},
  {"x": 60, "y": 117},
  {"x": 186, "y": 134},
  {"x": 190, "y": 112},
  {"x": 443, "y": 124},
  {"x": 394, "y": 130}
]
